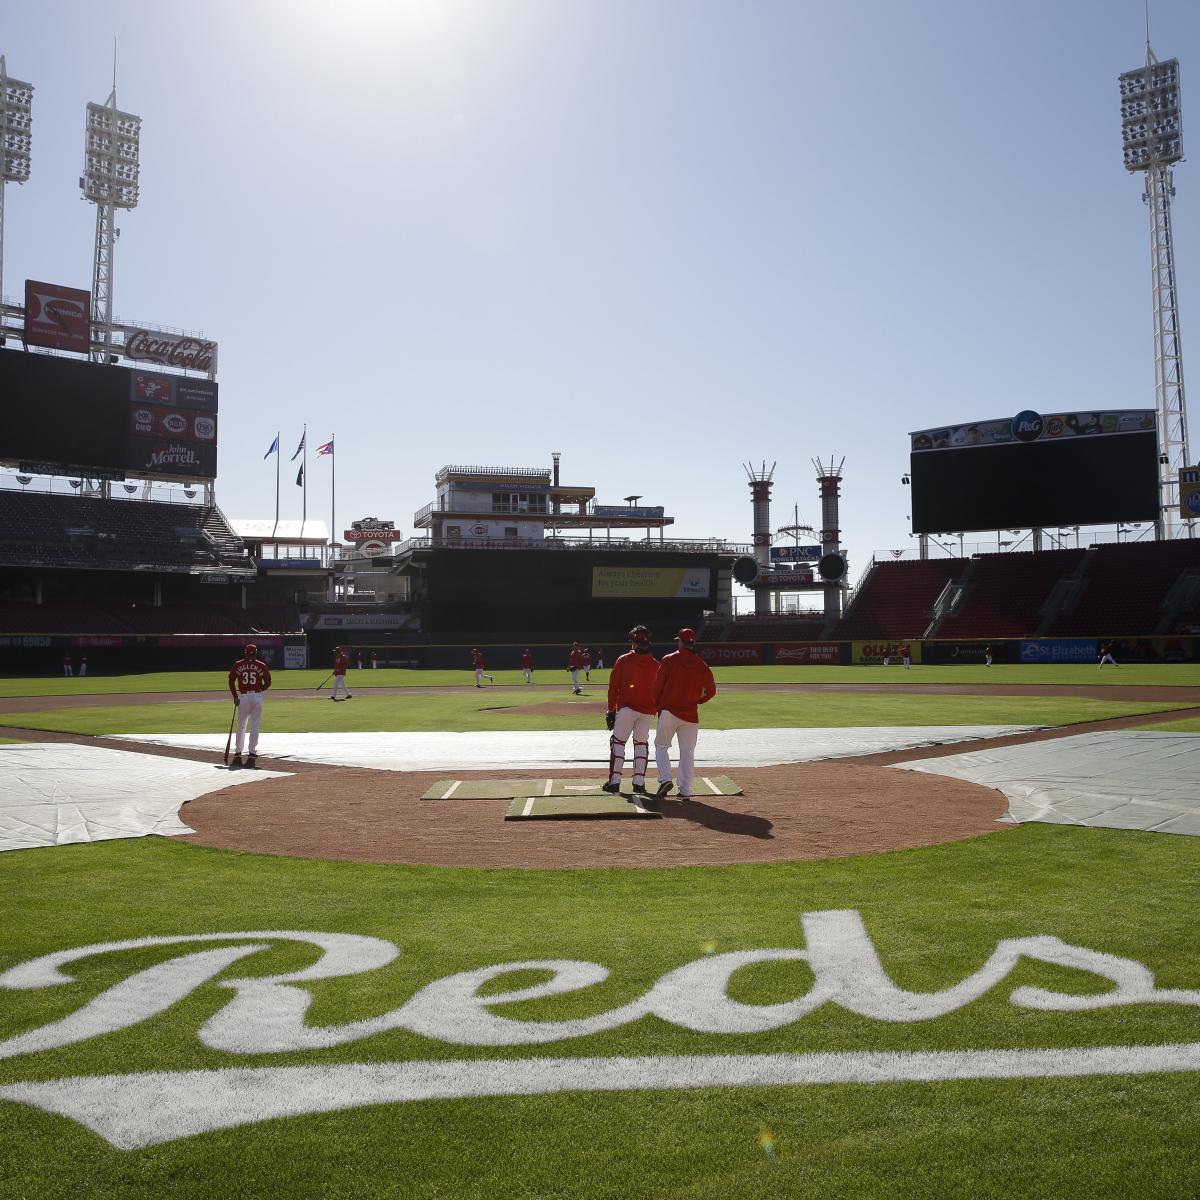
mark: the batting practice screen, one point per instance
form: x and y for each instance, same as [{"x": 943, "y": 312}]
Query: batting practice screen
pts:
[
  {"x": 1065, "y": 469},
  {"x": 67, "y": 416}
]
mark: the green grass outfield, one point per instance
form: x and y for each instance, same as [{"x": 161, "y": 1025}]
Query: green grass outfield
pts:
[
  {"x": 933, "y": 915},
  {"x": 469, "y": 711},
  {"x": 1147, "y": 674}
]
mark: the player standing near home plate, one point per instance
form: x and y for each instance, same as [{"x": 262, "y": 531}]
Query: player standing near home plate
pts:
[
  {"x": 341, "y": 660},
  {"x": 575, "y": 665},
  {"x": 249, "y": 679},
  {"x": 683, "y": 682},
  {"x": 630, "y": 710}
]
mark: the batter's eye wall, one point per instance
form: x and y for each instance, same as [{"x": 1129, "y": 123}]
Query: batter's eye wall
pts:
[
  {"x": 547, "y": 594},
  {"x": 1076, "y": 481}
]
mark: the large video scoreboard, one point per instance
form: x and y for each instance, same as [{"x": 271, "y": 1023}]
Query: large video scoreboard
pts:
[
  {"x": 66, "y": 416},
  {"x": 1036, "y": 471}
]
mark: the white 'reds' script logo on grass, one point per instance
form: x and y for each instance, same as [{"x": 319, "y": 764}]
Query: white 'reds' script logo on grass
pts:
[{"x": 267, "y": 1016}]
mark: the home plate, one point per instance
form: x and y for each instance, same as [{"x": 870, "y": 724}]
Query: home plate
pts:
[
  {"x": 581, "y": 789},
  {"x": 600, "y": 806}
]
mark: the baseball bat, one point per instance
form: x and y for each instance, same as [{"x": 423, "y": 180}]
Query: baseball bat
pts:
[
  {"x": 323, "y": 682},
  {"x": 229, "y": 739}
]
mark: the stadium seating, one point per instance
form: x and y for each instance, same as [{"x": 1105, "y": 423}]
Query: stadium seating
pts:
[
  {"x": 1125, "y": 588},
  {"x": 27, "y": 618},
  {"x": 42, "y": 530},
  {"x": 894, "y": 600},
  {"x": 776, "y": 628},
  {"x": 1006, "y": 593}
]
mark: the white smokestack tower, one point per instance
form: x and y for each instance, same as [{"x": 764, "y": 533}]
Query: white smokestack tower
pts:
[
  {"x": 760, "y": 496},
  {"x": 832, "y": 567}
]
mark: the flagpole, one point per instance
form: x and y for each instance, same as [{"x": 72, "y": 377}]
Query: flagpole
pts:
[
  {"x": 304, "y": 480},
  {"x": 278, "y": 456},
  {"x": 333, "y": 491}
]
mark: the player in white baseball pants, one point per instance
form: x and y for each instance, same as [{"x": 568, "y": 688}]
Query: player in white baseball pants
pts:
[{"x": 686, "y": 732}]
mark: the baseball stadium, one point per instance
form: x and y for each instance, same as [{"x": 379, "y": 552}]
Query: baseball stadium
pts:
[{"x": 916, "y": 918}]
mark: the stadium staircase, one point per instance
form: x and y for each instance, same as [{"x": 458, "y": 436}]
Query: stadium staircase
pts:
[
  {"x": 895, "y": 600},
  {"x": 1129, "y": 589},
  {"x": 1004, "y": 593}
]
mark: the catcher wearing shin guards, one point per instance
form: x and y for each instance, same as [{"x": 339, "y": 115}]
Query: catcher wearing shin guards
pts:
[{"x": 631, "y": 710}]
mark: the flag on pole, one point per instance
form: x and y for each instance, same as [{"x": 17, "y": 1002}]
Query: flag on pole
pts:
[
  {"x": 274, "y": 447},
  {"x": 327, "y": 448},
  {"x": 300, "y": 447},
  {"x": 300, "y": 476}
]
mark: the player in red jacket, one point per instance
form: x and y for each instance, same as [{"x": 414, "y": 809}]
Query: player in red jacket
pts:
[
  {"x": 527, "y": 666},
  {"x": 631, "y": 709},
  {"x": 684, "y": 682},
  {"x": 575, "y": 665},
  {"x": 341, "y": 661},
  {"x": 249, "y": 679},
  {"x": 480, "y": 673}
]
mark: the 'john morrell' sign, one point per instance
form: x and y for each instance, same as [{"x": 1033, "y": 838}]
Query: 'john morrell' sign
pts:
[{"x": 171, "y": 350}]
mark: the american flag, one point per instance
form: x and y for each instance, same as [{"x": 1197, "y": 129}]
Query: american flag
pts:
[{"x": 326, "y": 448}]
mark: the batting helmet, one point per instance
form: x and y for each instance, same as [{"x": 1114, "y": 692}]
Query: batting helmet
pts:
[{"x": 251, "y": 650}]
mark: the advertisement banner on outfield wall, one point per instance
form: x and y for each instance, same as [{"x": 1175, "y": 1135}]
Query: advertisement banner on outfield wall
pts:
[
  {"x": 726, "y": 656},
  {"x": 295, "y": 657},
  {"x": 661, "y": 583},
  {"x": 967, "y": 654},
  {"x": 1060, "y": 650},
  {"x": 829, "y": 653},
  {"x": 877, "y": 651}
]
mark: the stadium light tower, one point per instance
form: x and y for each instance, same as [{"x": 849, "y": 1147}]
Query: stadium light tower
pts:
[
  {"x": 16, "y": 126},
  {"x": 110, "y": 181},
  {"x": 1152, "y": 134}
]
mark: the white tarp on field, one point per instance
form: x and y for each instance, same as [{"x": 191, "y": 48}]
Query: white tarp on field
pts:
[
  {"x": 1123, "y": 779},
  {"x": 546, "y": 750},
  {"x": 54, "y": 793}
]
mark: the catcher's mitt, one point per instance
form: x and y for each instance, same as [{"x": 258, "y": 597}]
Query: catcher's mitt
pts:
[{"x": 610, "y": 719}]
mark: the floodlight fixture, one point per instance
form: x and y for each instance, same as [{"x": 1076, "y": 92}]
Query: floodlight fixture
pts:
[
  {"x": 1151, "y": 116},
  {"x": 16, "y": 141},
  {"x": 111, "y": 155},
  {"x": 111, "y": 168},
  {"x": 1152, "y": 137}
]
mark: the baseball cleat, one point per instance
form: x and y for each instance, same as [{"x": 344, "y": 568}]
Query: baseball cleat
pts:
[
  {"x": 664, "y": 788},
  {"x": 612, "y": 788},
  {"x": 235, "y": 763},
  {"x": 681, "y": 796},
  {"x": 252, "y": 762},
  {"x": 639, "y": 789}
]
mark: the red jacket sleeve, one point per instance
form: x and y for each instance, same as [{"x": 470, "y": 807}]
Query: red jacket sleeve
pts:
[
  {"x": 233, "y": 680},
  {"x": 266, "y": 676},
  {"x": 614, "y": 685},
  {"x": 710, "y": 684}
]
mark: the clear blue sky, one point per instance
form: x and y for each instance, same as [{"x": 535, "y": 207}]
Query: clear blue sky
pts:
[{"x": 663, "y": 238}]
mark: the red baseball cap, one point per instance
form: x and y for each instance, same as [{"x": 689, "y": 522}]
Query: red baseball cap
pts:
[{"x": 686, "y": 635}]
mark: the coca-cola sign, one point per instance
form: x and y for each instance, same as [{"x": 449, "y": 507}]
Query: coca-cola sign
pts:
[{"x": 171, "y": 350}]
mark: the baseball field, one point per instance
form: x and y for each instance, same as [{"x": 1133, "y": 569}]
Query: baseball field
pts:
[{"x": 867, "y": 974}]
